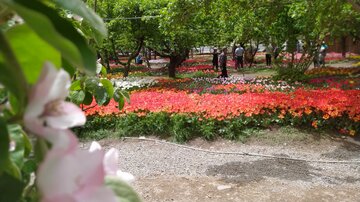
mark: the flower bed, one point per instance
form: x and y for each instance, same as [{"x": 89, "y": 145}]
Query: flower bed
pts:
[
  {"x": 227, "y": 85},
  {"x": 133, "y": 83},
  {"x": 194, "y": 68},
  {"x": 336, "y": 82},
  {"x": 327, "y": 71},
  {"x": 317, "y": 108}
]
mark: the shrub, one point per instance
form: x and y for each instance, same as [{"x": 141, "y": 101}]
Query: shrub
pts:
[{"x": 290, "y": 75}]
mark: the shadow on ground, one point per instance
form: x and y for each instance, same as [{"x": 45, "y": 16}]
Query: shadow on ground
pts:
[
  {"x": 346, "y": 151},
  {"x": 247, "y": 172}
]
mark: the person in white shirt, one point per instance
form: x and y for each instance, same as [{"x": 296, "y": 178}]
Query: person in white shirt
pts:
[{"x": 239, "y": 54}]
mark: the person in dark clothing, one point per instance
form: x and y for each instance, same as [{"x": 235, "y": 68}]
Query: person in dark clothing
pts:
[
  {"x": 215, "y": 60},
  {"x": 222, "y": 61},
  {"x": 268, "y": 54},
  {"x": 139, "y": 59}
]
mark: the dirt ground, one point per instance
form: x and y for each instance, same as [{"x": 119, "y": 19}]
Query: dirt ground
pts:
[
  {"x": 204, "y": 189},
  {"x": 262, "y": 179},
  {"x": 217, "y": 171}
]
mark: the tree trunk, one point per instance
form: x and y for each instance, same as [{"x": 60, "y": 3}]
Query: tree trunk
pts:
[
  {"x": 116, "y": 58},
  {"x": 175, "y": 61},
  {"x": 147, "y": 60},
  {"x": 343, "y": 46},
  {"x": 233, "y": 48},
  {"x": 107, "y": 59},
  {"x": 149, "y": 54},
  {"x": 131, "y": 57},
  {"x": 95, "y": 6},
  {"x": 253, "y": 53}
]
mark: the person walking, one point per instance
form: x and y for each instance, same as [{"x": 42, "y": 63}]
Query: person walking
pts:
[
  {"x": 239, "y": 54},
  {"x": 222, "y": 61},
  {"x": 268, "y": 54},
  {"x": 215, "y": 60},
  {"x": 322, "y": 55}
]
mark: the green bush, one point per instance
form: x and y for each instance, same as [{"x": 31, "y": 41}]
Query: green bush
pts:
[
  {"x": 290, "y": 74},
  {"x": 184, "y": 127}
]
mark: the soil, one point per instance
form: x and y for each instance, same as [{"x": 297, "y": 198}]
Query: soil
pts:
[{"x": 168, "y": 172}]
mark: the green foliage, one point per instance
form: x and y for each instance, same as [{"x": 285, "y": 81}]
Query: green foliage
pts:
[
  {"x": 23, "y": 146},
  {"x": 184, "y": 127},
  {"x": 289, "y": 75},
  {"x": 44, "y": 36},
  {"x": 32, "y": 54},
  {"x": 123, "y": 191},
  {"x": 56, "y": 31},
  {"x": 85, "y": 88},
  {"x": 11, "y": 188},
  {"x": 80, "y": 8}
]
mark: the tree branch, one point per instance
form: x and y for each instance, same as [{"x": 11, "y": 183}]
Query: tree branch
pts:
[{"x": 355, "y": 5}]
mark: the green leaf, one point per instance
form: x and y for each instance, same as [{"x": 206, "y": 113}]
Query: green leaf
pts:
[
  {"x": 4, "y": 145},
  {"x": 40, "y": 149},
  {"x": 91, "y": 84},
  {"x": 5, "y": 163},
  {"x": 11, "y": 75},
  {"x": 80, "y": 8},
  {"x": 119, "y": 98},
  {"x": 77, "y": 97},
  {"x": 95, "y": 86},
  {"x": 68, "y": 67},
  {"x": 32, "y": 54},
  {"x": 57, "y": 31},
  {"x": 103, "y": 71},
  {"x": 88, "y": 98},
  {"x": 22, "y": 145},
  {"x": 126, "y": 96},
  {"x": 123, "y": 191},
  {"x": 76, "y": 85},
  {"x": 11, "y": 188},
  {"x": 121, "y": 103},
  {"x": 29, "y": 166},
  {"x": 108, "y": 86},
  {"x": 14, "y": 103},
  {"x": 101, "y": 95}
]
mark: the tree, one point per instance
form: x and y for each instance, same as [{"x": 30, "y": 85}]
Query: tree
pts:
[{"x": 177, "y": 29}]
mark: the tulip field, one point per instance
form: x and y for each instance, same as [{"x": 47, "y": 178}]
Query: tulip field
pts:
[{"x": 206, "y": 106}]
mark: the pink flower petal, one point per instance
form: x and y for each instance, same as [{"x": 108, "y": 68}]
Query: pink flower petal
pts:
[
  {"x": 69, "y": 115},
  {"x": 111, "y": 161},
  {"x": 52, "y": 85},
  {"x": 95, "y": 146},
  {"x": 70, "y": 174}
]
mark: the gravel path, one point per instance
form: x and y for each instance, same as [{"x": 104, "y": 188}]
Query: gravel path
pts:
[{"x": 170, "y": 173}]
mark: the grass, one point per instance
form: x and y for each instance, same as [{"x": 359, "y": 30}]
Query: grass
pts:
[{"x": 285, "y": 135}]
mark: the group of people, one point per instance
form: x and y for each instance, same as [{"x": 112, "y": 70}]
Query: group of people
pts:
[
  {"x": 220, "y": 60},
  {"x": 270, "y": 52}
]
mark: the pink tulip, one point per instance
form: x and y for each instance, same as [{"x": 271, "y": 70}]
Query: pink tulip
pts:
[
  {"x": 111, "y": 163},
  {"x": 77, "y": 176},
  {"x": 47, "y": 114}
]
